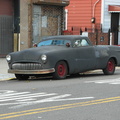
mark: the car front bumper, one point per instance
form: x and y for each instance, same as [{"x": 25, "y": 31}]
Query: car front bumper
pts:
[{"x": 43, "y": 71}]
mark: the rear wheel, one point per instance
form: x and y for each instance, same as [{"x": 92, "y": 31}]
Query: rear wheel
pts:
[
  {"x": 110, "y": 68},
  {"x": 61, "y": 70},
  {"x": 21, "y": 77}
]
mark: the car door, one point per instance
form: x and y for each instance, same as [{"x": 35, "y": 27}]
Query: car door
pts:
[{"x": 84, "y": 55}]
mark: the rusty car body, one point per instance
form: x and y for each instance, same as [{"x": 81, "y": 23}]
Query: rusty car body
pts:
[{"x": 63, "y": 55}]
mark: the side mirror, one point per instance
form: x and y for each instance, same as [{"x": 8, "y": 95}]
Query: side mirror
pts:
[{"x": 68, "y": 44}]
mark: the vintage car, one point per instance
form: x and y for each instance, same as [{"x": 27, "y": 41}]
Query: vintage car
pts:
[{"x": 63, "y": 55}]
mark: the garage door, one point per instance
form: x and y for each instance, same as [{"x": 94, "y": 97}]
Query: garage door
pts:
[
  {"x": 6, "y": 35},
  {"x": 47, "y": 21},
  {"x": 6, "y": 27}
]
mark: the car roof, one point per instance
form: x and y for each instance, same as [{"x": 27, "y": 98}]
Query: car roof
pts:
[{"x": 70, "y": 37}]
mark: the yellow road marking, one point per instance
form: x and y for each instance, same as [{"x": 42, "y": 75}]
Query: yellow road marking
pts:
[
  {"x": 60, "y": 107},
  {"x": 6, "y": 79}
]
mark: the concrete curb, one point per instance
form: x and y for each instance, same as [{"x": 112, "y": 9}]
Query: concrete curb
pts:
[{"x": 6, "y": 77}]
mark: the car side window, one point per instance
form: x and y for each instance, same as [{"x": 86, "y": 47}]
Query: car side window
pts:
[
  {"x": 81, "y": 42},
  {"x": 84, "y": 42}
]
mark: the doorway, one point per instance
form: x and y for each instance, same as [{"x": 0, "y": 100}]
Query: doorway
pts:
[{"x": 115, "y": 26}]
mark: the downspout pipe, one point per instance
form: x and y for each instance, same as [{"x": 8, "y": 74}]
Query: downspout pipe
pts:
[
  {"x": 94, "y": 7},
  {"x": 93, "y": 15}
]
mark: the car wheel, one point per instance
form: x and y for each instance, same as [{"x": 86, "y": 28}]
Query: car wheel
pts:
[
  {"x": 110, "y": 68},
  {"x": 61, "y": 70},
  {"x": 21, "y": 76}
]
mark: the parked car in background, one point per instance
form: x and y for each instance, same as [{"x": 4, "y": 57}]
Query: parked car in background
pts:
[{"x": 63, "y": 55}]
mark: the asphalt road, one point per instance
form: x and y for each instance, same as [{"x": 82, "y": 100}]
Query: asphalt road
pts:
[{"x": 92, "y": 96}]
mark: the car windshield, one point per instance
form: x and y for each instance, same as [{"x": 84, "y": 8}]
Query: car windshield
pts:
[{"x": 54, "y": 42}]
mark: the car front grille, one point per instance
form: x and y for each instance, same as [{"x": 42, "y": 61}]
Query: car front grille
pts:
[{"x": 26, "y": 66}]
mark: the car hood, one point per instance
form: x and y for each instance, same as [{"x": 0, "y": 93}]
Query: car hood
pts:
[{"x": 34, "y": 54}]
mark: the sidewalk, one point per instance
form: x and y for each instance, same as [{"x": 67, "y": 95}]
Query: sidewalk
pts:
[{"x": 4, "y": 75}]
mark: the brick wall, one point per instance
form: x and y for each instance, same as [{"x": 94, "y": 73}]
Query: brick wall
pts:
[
  {"x": 100, "y": 38},
  {"x": 97, "y": 38}
]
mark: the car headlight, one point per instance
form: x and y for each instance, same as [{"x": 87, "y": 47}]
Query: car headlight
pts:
[
  {"x": 8, "y": 58},
  {"x": 44, "y": 58}
]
